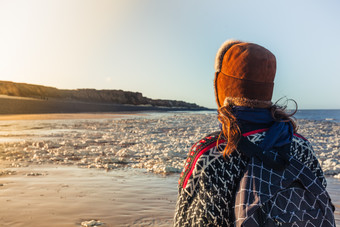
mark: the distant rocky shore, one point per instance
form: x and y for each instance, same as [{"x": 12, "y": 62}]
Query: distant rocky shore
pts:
[{"x": 21, "y": 98}]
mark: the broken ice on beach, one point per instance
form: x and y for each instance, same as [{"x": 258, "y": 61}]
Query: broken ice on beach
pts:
[{"x": 156, "y": 142}]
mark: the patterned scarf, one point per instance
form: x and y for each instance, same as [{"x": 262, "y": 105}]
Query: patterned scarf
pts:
[{"x": 278, "y": 134}]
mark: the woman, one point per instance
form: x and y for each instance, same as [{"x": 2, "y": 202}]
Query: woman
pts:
[{"x": 215, "y": 165}]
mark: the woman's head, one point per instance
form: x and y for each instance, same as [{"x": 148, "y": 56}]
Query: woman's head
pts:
[{"x": 244, "y": 74}]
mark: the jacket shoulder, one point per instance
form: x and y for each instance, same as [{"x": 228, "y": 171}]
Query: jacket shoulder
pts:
[
  {"x": 197, "y": 150},
  {"x": 303, "y": 151},
  {"x": 299, "y": 136},
  {"x": 301, "y": 144},
  {"x": 207, "y": 153}
]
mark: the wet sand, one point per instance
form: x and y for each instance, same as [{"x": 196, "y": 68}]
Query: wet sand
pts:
[
  {"x": 67, "y": 196},
  {"x": 333, "y": 189}
]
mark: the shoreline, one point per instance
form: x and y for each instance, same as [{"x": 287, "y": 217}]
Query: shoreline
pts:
[{"x": 158, "y": 143}]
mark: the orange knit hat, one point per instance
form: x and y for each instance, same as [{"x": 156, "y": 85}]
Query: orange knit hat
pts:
[{"x": 244, "y": 75}]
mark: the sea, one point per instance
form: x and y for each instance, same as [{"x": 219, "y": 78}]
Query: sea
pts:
[
  {"x": 332, "y": 115},
  {"x": 319, "y": 115}
]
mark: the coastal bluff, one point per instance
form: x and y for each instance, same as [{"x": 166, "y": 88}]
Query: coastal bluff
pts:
[{"x": 22, "y": 98}]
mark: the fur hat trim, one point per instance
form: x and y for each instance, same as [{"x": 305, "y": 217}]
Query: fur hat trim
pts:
[
  {"x": 221, "y": 52},
  {"x": 240, "y": 101}
]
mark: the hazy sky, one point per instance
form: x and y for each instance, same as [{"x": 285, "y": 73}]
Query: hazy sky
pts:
[{"x": 166, "y": 49}]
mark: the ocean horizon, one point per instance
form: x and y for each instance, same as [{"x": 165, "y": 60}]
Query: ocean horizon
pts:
[
  {"x": 332, "y": 115},
  {"x": 319, "y": 114}
]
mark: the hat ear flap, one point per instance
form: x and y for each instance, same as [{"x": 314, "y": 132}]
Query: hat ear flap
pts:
[{"x": 221, "y": 52}]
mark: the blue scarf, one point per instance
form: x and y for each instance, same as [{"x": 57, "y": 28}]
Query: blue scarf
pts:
[{"x": 279, "y": 133}]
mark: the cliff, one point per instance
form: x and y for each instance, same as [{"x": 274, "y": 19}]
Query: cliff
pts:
[{"x": 88, "y": 95}]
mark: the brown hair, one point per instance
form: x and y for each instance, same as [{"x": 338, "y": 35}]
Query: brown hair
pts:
[{"x": 231, "y": 130}]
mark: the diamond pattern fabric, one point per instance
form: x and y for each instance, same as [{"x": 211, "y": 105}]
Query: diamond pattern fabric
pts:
[
  {"x": 208, "y": 183},
  {"x": 294, "y": 196}
]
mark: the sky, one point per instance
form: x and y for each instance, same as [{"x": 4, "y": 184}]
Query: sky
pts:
[{"x": 166, "y": 49}]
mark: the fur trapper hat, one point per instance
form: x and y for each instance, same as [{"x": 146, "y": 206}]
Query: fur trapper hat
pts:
[{"x": 244, "y": 75}]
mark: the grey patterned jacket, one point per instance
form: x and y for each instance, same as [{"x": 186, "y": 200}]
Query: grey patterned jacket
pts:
[{"x": 208, "y": 183}]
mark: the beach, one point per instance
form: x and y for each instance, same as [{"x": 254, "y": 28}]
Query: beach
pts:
[
  {"x": 69, "y": 196},
  {"x": 114, "y": 170}
]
